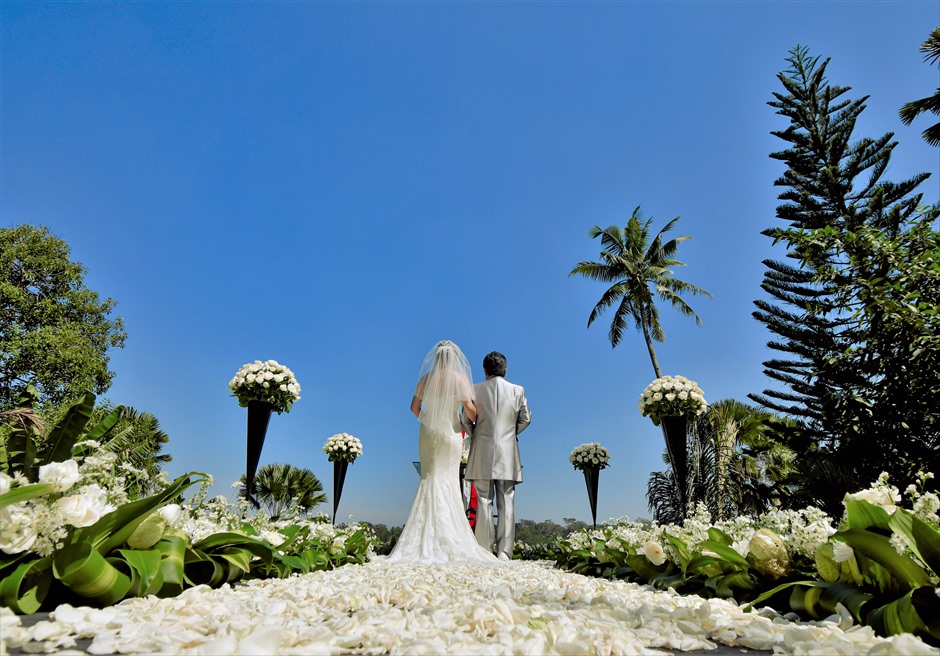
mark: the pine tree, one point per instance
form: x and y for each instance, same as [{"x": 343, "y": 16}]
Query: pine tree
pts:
[{"x": 819, "y": 312}]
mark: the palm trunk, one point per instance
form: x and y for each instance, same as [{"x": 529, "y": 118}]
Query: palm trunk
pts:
[{"x": 652, "y": 351}]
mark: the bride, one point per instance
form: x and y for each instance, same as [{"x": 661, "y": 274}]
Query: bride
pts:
[{"x": 437, "y": 530}]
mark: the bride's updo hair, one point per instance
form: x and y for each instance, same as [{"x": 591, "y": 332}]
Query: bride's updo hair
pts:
[{"x": 494, "y": 364}]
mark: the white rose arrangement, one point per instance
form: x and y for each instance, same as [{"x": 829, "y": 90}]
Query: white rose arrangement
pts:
[
  {"x": 269, "y": 382},
  {"x": 342, "y": 447},
  {"x": 590, "y": 455},
  {"x": 672, "y": 395},
  {"x": 68, "y": 495}
]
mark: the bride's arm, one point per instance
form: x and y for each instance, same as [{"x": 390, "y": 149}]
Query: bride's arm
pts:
[
  {"x": 470, "y": 410},
  {"x": 416, "y": 406}
]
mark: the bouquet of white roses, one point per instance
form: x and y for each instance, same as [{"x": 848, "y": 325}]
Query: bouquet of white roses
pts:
[
  {"x": 590, "y": 455},
  {"x": 269, "y": 382},
  {"x": 672, "y": 395},
  {"x": 342, "y": 447}
]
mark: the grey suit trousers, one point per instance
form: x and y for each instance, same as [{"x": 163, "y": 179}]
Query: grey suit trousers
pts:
[{"x": 502, "y": 493}]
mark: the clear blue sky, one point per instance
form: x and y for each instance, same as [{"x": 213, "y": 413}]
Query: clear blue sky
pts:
[{"x": 337, "y": 186}]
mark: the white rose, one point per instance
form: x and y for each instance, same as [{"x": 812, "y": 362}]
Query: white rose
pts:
[
  {"x": 76, "y": 510},
  {"x": 841, "y": 552},
  {"x": 268, "y": 375},
  {"x": 670, "y": 397},
  {"x": 170, "y": 513},
  {"x": 17, "y": 533},
  {"x": 61, "y": 475},
  {"x": 657, "y": 396},
  {"x": 654, "y": 552}
]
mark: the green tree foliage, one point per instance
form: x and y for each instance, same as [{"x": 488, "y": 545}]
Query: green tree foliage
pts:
[
  {"x": 138, "y": 439},
  {"x": 913, "y": 109},
  {"x": 735, "y": 466},
  {"x": 282, "y": 488},
  {"x": 855, "y": 314},
  {"x": 54, "y": 332},
  {"x": 638, "y": 270}
]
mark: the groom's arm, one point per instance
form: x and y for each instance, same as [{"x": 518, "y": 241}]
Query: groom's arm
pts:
[
  {"x": 524, "y": 418},
  {"x": 466, "y": 424}
]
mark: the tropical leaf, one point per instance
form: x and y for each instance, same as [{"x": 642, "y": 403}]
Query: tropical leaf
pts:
[
  {"x": 172, "y": 550},
  {"x": 921, "y": 537},
  {"x": 878, "y": 548},
  {"x": 24, "y": 590},
  {"x": 113, "y": 529},
  {"x": 63, "y": 436},
  {"x": 146, "y": 574},
  {"x": 903, "y": 616},
  {"x": 82, "y": 569},
  {"x": 24, "y": 493}
]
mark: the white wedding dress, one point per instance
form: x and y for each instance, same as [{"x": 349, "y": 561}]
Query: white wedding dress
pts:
[{"x": 437, "y": 531}]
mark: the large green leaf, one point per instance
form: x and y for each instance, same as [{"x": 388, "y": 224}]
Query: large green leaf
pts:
[
  {"x": 878, "y": 548},
  {"x": 112, "y": 530},
  {"x": 101, "y": 429},
  {"x": 146, "y": 576},
  {"x": 172, "y": 549},
  {"x": 864, "y": 515},
  {"x": 201, "y": 569},
  {"x": 62, "y": 437},
  {"x": 24, "y": 590},
  {"x": 900, "y": 616},
  {"x": 921, "y": 537},
  {"x": 82, "y": 569},
  {"x": 733, "y": 584},
  {"x": 18, "y": 494},
  {"x": 726, "y": 553}
]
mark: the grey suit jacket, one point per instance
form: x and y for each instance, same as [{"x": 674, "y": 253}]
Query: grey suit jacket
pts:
[{"x": 502, "y": 413}]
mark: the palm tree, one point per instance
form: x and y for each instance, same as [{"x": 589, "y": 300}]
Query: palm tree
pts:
[
  {"x": 639, "y": 270},
  {"x": 280, "y": 488},
  {"x": 138, "y": 439},
  {"x": 913, "y": 109}
]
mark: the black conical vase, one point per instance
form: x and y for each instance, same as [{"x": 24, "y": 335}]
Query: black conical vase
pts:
[
  {"x": 675, "y": 430},
  {"x": 591, "y": 476},
  {"x": 339, "y": 477},
  {"x": 259, "y": 414}
]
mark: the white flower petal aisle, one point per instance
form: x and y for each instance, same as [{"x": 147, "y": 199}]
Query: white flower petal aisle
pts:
[{"x": 386, "y": 608}]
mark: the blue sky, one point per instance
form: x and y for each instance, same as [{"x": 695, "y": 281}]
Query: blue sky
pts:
[{"x": 337, "y": 186}]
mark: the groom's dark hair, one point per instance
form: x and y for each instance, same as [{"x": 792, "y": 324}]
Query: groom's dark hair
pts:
[{"x": 494, "y": 364}]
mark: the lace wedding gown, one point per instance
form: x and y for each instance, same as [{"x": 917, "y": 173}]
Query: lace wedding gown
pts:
[{"x": 437, "y": 531}]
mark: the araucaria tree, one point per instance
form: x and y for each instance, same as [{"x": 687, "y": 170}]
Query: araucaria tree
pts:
[
  {"x": 854, "y": 314},
  {"x": 639, "y": 271},
  {"x": 54, "y": 332}
]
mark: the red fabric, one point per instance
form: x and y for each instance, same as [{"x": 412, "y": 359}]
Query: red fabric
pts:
[{"x": 472, "y": 510}]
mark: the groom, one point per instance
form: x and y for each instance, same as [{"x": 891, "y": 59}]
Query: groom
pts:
[{"x": 493, "y": 465}]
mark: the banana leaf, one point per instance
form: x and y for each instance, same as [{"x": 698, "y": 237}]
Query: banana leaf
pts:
[
  {"x": 101, "y": 429},
  {"x": 239, "y": 561},
  {"x": 19, "y": 494},
  {"x": 717, "y": 535},
  {"x": 681, "y": 549},
  {"x": 24, "y": 590},
  {"x": 909, "y": 615},
  {"x": 735, "y": 585},
  {"x": 725, "y": 552},
  {"x": 172, "y": 560},
  {"x": 146, "y": 574},
  {"x": 878, "y": 548},
  {"x": 112, "y": 530},
  {"x": 864, "y": 515},
  {"x": 65, "y": 433},
  {"x": 923, "y": 539},
  {"x": 82, "y": 569},
  {"x": 201, "y": 569}
]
